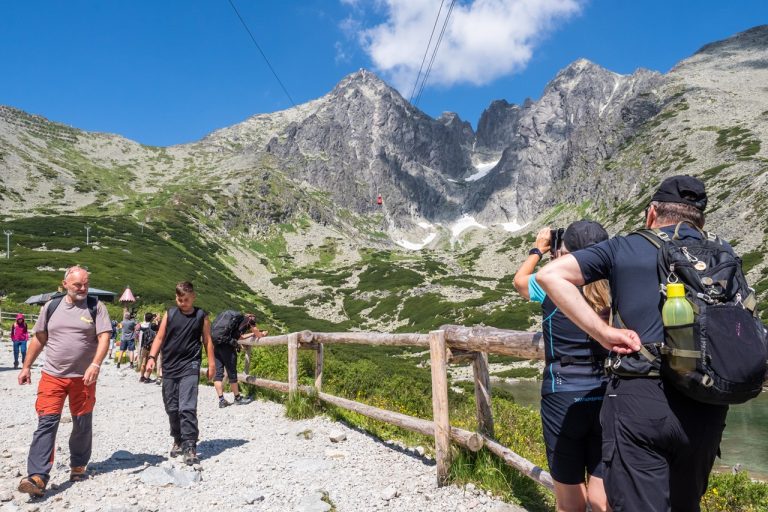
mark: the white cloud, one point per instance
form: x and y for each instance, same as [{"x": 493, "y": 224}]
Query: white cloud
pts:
[{"x": 484, "y": 39}]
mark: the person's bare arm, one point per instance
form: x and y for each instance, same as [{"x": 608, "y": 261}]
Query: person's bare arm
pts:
[
  {"x": 560, "y": 279},
  {"x": 92, "y": 373},
  {"x": 208, "y": 342},
  {"x": 528, "y": 267},
  {"x": 34, "y": 348}
]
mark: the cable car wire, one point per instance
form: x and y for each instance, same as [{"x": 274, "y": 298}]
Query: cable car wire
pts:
[
  {"x": 426, "y": 51},
  {"x": 262, "y": 53},
  {"x": 434, "y": 52}
]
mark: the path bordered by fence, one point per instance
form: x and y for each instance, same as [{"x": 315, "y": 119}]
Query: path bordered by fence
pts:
[{"x": 449, "y": 344}]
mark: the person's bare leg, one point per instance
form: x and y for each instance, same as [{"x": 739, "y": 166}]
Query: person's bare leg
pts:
[
  {"x": 570, "y": 498},
  {"x": 235, "y": 388},
  {"x": 596, "y": 495},
  {"x": 219, "y": 387}
]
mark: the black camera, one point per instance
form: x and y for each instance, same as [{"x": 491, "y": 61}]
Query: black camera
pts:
[{"x": 555, "y": 240}]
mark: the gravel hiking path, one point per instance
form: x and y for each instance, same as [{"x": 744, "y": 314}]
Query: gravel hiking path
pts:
[{"x": 252, "y": 458}]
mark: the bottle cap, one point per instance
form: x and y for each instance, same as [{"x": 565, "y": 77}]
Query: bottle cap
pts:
[{"x": 675, "y": 290}]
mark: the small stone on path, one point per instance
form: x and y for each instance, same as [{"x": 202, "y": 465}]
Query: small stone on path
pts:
[
  {"x": 336, "y": 454},
  {"x": 338, "y": 436},
  {"x": 6, "y": 496},
  {"x": 390, "y": 493},
  {"x": 313, "y": 503}
]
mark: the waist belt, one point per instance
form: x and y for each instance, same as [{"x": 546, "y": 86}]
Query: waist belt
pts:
[
  {"x": 645, "y": 362},
  {"x": 584, "y": 360}
]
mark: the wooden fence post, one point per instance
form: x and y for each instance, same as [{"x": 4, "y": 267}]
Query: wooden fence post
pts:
[
  {"x": 293, "y": 363},
  {"x": 247, "y": 362},
  {"x": 437, "y": 353},
  {"x": 483, "y": 394},
  {"x": 319, "y": 356}
]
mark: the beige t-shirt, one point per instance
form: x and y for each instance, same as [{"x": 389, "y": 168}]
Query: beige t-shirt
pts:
[{"x": 72, "y": 338}]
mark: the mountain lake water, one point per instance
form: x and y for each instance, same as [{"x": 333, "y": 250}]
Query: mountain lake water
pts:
[{"x": 744, "y": 440}]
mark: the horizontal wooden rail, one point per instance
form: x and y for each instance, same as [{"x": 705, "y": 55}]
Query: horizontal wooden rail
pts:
[
  {"x": 450, "y": 343},
  {"x": 522, "y": 464},
  {"x": 527, "y": 345}
]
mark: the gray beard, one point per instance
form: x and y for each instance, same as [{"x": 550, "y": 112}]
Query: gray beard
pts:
[{"x": 79, "y": 297}]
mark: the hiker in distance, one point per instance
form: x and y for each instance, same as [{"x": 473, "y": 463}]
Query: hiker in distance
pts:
[
  {"x": 183, "y": 331},
  {"x": 74, "y": 330},
  {"x": 228, "y": 328},
  {"x": 19, "y": 338},
  {"x": 128, "y": 338},
  {"x": 573, "y": 383},
  {"x": 660, "y": 438}
]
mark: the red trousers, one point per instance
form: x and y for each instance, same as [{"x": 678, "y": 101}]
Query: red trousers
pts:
[{"x": 51, "y": 393}]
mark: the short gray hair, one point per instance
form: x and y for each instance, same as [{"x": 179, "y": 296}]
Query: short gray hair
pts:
[
  {"x": 75, "y": 268},
  {"x": 678, "y": 212}
]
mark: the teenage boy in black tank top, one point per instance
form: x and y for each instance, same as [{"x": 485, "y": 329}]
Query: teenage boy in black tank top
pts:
[{"x": 181, "y": 331}]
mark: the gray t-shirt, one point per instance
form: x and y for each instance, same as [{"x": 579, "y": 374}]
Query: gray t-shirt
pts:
[
  {"x": 72, "y": 338},
  {"x": 129, "y": 330}
]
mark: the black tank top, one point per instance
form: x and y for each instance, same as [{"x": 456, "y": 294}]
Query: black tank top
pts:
[{"x": 182, "y": 346}]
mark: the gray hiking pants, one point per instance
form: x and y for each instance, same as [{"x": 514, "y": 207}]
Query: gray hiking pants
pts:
[{"x": 180, "y": 399}]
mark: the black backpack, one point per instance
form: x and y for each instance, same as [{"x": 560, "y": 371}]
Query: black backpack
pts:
[
  {"x": 729, "y": 339},
  {"x": 147, "y": 336},
  {"x": 225, "y": 329}
]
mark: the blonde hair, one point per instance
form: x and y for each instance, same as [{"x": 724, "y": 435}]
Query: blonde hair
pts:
[{"x": 598, "y": 295}]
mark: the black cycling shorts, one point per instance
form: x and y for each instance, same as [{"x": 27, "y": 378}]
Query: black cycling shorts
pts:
[
  {"x": 572, "y": 433},
  {"x": 226, "y": 357}
]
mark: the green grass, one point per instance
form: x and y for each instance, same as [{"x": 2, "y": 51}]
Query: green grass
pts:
[
  {"x": 741, "y": 141},
  {"x": 519, "y": 373},
  {"x": 750, "y": 259},
  {"x": 735, "y": 493}
]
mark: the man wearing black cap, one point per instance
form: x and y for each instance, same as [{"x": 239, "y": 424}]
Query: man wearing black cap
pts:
[{"x": 658, "y": 445}]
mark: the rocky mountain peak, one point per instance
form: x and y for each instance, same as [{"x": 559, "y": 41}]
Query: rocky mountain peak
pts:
[
  {"x": 578, "y": 74},
  {"x": 754, "y": 38}
]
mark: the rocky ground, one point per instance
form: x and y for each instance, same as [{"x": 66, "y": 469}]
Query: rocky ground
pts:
[{"x": 252, "y": 458}]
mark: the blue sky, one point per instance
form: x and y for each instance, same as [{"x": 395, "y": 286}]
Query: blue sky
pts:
[{"x": 167, "y": 72}]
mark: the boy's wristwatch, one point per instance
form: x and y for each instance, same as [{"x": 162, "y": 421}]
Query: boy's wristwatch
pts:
[
  {"x": 535, "y": 251},
  {"x": 150, "y": 356}
]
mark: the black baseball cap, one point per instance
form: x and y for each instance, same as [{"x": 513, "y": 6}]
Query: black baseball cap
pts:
[
  {"x": 582, "y": 234},
  {"x": 682, "y": 189}
]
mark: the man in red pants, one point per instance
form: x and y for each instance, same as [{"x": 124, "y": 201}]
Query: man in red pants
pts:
[{"x": 75, "y": 331}]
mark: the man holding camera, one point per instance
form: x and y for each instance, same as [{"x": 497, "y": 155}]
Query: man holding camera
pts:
[
  {"x": 226, "y": 357},
  {"x": 658, "y": 445}
]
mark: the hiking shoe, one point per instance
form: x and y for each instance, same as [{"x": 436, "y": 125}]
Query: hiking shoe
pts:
[
  {"x": 176, "y": 449},
  {"x": 223, "y": 403},
  {"x": 34, "y": 485},
  {"x": 159, "y": 381},
  {"x": 77, "y": 474},
  {"x": 243, "y": 400},
  {"x": 118, "y": 364},
  {"x": 143, "y": 379},
  {"x": 190, "y": 455}
]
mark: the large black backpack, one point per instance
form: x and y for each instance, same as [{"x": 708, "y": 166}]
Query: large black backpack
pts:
[
  {"x": 147, "y": 336},
  {"x": 225, "y": 329},
  {"x": 729, "y": 339}
]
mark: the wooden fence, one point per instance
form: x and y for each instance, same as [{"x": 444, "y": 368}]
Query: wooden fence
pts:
[{"x": 449, "y": 344}]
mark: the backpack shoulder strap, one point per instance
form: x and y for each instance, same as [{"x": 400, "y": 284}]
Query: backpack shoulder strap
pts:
[
  {"x": 654, "y": 236},
  {"x": 52, "y": 305},
  {"x": 93, "y": 307}
]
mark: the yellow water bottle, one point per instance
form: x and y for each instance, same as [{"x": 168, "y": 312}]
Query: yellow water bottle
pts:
[{"x": 677, "y": 315}]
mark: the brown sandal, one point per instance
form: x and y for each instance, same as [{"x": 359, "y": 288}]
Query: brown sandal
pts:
[
  {"x": 33, "y": 485},
  {"x": 77, "y": 474}
]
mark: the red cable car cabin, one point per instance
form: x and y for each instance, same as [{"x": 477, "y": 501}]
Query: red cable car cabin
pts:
[{"x": 379, "y": 200}]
